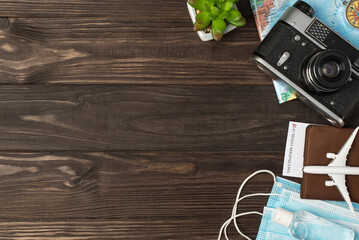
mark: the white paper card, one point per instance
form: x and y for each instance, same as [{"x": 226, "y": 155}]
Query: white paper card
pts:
[{"x": 294, "y": 150}]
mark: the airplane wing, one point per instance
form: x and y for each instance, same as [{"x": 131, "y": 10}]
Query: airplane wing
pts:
[
  {"x": 339, "y": 181},
  {"x": 341, "y": 158}
]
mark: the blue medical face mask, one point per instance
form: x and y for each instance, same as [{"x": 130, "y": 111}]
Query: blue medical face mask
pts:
[
  {"x": 285, "y": 194},
  {"x": 234, "y": 216},
  {"x": 325, "y": 209},
  {"x": 289, "y": 199},
  {"x": 269, "y": 230}
]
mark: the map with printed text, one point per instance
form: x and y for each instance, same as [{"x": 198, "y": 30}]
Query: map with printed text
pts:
[{"x": 267, "y": 13}]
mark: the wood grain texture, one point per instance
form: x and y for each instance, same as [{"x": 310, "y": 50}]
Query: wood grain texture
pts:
[
  {"x": 117, "y": 122},
  {"x": 92, "y": 229},
  {"x": 127, "y": 195},
  {"x": 42, "y": 117},
  {"x": 93, "y": 8},
  {"x": 124, "y": 51}
]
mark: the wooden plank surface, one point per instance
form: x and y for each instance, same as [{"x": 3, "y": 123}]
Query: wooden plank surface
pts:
[
  {"x": 85, "y": 8},
  {"x": 93, "y": 8},
  {"x": 248, "y": 117},
  {"x": 127, "y": 195},
  {"x": 122, "y": 51},
  {"x": 117, "y": 122}
]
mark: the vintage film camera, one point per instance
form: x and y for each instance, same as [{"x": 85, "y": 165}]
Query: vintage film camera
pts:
[{"x": 314, "y": 60}]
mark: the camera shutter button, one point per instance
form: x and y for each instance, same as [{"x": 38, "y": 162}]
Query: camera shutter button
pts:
[{"x": 285, "y": 56}]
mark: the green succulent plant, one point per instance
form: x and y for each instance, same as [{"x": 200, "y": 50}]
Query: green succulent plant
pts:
[{"x": 216, "y": 13}]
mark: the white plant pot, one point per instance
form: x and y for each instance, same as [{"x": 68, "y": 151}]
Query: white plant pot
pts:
[{"x": 208, "y": 36}]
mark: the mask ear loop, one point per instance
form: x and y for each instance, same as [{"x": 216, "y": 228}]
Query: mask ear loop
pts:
[
  {"x": 225, "y": 225},
  {"x": 234, "y": 215}
]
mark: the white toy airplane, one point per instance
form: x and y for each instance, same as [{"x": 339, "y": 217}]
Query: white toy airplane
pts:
[{"x": 337, "y": 169}]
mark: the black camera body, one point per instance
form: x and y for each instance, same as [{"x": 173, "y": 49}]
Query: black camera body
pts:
[{"x": 318, "y": 63}]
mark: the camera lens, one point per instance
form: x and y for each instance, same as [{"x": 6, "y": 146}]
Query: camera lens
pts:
[
  {"x": 327, "y": 71},
  {"x": 331, "y": 69}
]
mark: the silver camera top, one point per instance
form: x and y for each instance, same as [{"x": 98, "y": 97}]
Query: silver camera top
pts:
[{"x": 316, "y": 31}]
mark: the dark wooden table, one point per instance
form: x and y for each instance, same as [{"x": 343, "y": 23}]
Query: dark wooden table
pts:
[{"x": 117, "y": 122}]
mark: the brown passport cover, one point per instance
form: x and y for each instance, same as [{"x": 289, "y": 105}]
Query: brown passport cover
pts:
[{"x": 321, "y": 140}]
